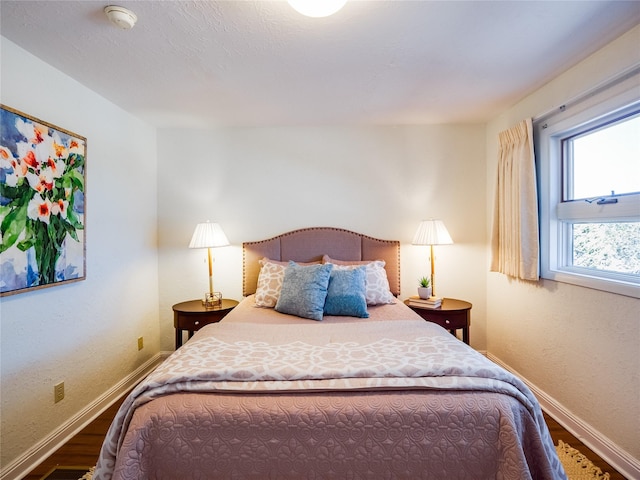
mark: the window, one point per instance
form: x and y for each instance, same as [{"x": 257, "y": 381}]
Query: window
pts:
[{"x": 588, "y": 161}]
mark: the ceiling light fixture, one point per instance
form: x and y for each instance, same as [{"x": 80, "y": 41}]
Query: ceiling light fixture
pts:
[
  {"x": 317, "y": 8},
  {"x": 121, "y": 17}
]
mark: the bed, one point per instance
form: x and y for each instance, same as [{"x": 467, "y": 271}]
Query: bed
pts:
[{"x": 279, "y": 389}]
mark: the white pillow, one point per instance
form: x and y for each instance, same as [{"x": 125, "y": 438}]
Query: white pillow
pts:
[{"x": 269, "y": 283}]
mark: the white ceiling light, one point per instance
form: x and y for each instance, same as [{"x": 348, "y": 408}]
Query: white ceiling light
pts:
[
  {"x": 317, "y": 8},
  {"x": 121, "y": 17}
]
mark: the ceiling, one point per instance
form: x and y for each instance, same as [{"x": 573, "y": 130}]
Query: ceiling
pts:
[{"x": 259, "y": 63}]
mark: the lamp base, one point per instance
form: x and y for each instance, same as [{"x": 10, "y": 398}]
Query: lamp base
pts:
[{"x": 212, "y": 300}]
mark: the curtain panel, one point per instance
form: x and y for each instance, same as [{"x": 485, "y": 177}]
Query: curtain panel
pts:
[{"x": 515, "y": 240}]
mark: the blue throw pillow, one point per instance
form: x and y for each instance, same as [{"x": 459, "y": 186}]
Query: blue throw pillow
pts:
[
  {"x": 346, "y": 293},
  {"x": 304, "y": 290}
]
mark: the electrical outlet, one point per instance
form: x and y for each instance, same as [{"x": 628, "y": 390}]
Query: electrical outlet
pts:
[
  {"x": 58, "y": 392},
  {"x": 140, "y": 343}
]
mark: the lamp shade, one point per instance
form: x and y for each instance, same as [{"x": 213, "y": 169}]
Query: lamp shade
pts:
[
  {"x": 432, "y": 232},
  {"x": 207, "y": 235}
]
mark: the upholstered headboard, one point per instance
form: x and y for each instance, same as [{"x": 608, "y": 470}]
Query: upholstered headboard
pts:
[{"x": 310, "y": 244}]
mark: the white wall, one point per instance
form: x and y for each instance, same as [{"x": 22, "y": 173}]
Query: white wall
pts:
[
  {"x": 578, "y": 345},
  {"x": 381, "y": 181},
  {"x": 83, "y": 333}
]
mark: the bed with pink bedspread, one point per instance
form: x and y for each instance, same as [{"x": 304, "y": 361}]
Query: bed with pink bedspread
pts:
[{"x": 386, "y": 395}]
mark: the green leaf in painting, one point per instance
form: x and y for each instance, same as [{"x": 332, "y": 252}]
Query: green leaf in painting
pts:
[
  {"x": 75, "y": 161},
  {"x": 11, "y": 192},
  {"x": 29, "y": 237},
  {"x": 12, "y": 226}
]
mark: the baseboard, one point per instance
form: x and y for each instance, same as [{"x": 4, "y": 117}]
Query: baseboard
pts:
[
  {"x": 611, "y": 453},
  {"x": 42, "y": 450}
]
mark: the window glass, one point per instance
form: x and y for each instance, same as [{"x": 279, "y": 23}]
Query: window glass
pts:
[
  {"x": 604, "y": 160},
  {"x": 607, "y": 247}
]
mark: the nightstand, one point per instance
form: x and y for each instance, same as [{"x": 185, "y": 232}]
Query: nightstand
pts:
[
  {"x": 452, "y": 314},
  {"x": 192, "y": 316}
]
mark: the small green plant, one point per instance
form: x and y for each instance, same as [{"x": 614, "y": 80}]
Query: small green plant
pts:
[{"x": 425, "y": 282}]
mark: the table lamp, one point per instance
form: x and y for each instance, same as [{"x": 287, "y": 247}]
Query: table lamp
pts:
[
  {"x": 432, "y": 232},
  {"x": 209, "y": 235}
]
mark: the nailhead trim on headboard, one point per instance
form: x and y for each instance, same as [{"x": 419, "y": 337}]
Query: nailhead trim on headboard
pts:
[{"x": 316, "y": 242}]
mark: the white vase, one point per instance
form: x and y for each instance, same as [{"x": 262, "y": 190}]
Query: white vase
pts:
[{"x": 424, "y": 292}]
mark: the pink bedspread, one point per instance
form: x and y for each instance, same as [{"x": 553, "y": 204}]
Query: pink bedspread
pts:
[{"x": 369, "y": 399}]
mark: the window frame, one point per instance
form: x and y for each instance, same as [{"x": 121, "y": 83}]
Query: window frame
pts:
[{"x": 615, "y": 100}]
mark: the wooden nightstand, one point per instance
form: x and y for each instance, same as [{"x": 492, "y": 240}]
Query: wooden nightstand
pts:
[
  {"x": 192, "y": 316},
  {"x": 452, "y": 314}
]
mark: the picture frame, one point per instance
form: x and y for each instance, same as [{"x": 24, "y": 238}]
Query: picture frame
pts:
[{"x": 42, "y": 204}]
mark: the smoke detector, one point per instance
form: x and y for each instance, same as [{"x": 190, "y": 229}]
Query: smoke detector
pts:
[{"x": 121, "y": 17}]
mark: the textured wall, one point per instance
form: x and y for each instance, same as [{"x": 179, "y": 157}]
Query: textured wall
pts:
[
  {"x": 578, "y": 345},
  {"x": 84, "y": 333}
]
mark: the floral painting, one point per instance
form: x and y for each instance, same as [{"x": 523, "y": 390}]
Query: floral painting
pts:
[{"x": 42, "y": 204}]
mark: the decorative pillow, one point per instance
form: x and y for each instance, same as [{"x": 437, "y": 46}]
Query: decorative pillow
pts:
[
  {"x": 304, "y": 290},
  {"x": 377, "y": 290},
  {"x": 346, "y": 293},
  {"x": 269, "y": 283}
]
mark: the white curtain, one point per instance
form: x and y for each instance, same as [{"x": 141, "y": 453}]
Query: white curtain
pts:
[{"x": 514, "y": 242}]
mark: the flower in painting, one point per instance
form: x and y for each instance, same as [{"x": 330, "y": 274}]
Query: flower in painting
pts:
[
  {"x": 41, "y": 182},
  {"x": 11, "y": 166},
  {"x": 56, "y": 167},
  {"x": 29, "y": 159},
  {"x": 33, "y": 132},
  {"x": 42, "y": 191},
  {"x": 76, "y": 147},
  {"x": 5, "y": 157},
  {"x": 39, "y": 209},
  {"x": 60, "y": 208}
]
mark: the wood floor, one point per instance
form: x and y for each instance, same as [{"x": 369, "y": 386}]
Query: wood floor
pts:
[
  {"x": 559, "y": 433},
  {"x": 83, "y": 449}
]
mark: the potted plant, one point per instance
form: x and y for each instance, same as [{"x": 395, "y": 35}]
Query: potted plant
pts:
[{"x": 424, "y": 287}]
